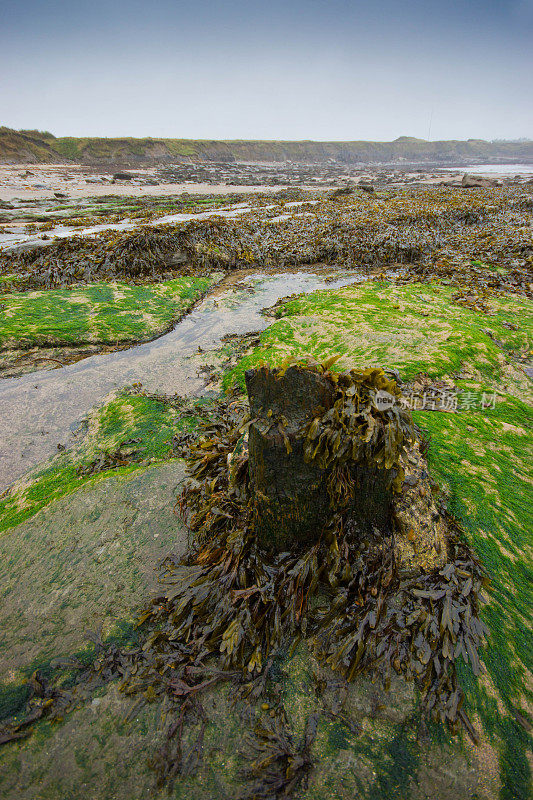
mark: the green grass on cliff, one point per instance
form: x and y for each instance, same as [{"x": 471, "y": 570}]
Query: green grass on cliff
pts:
[
  {"x": 405, "y": 147},
  {"x": 43, "y": 146}
]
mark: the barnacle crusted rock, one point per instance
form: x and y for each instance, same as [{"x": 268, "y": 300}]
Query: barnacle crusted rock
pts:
[{"x": 420, "y": 530}]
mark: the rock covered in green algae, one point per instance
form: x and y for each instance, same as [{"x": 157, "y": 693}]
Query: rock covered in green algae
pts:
[
  {"x": 373, "y": 748},
  {"x": 97, "y": 313},
  {"x": 382, "y": 753},
  {"x": 83, "y": 562}
]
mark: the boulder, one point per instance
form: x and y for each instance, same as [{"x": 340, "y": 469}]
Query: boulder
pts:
[
  {"x": 176, "y": 259},
  {"x": 25, "y": 247},
  {"x": 472, "y": 181}
]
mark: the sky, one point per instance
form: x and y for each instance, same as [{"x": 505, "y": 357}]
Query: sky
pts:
[{"x": 274, "y": 69}]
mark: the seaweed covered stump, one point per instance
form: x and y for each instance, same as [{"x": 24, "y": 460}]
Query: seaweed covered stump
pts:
[
  {"x": 400, "y": 599},
  {"x": 291, "y": 502},
  {"x": 292, "y": 497}
]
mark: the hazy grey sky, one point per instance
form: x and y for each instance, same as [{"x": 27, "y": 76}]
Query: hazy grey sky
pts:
[{"x": 298, "y": 69}]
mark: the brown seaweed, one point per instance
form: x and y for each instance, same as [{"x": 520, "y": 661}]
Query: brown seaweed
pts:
[
  {"x": 480, "y": 242},
  {"x": 227, "y": 608}
]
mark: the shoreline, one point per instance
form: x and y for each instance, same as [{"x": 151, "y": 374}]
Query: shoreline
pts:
[{"x": 25, "y": 182}]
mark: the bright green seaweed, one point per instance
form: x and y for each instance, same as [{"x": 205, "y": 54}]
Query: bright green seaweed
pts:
[
  {"x": 482, "y": 457},
  {"x": 414, "y": 328},
  {"x": 148, "y": 424},
  {"x": 106, "y": 313}
]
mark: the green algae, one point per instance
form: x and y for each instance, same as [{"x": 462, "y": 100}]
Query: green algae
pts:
[
  {"x": 104, "y": 746},
  {"x": 148, "y": 426},
  {"x": 92, "y": 747},
  {"x": 105, "y": 313},
  {"x": 85, "y": 562},
  {"x": 101, "y": 742},
  {"x": 484, "y": 460},
  {"x": 414, "y": 328},
  {"x": 14, "y": 696},
  {"x": 481, "y": 456}
]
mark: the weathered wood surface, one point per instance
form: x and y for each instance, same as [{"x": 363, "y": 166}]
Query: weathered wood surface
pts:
[{"x": 291, "y": 501}]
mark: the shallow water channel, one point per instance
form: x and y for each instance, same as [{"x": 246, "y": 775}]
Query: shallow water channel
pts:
[
  {"x": 11, "y": 239},
  {"x": 42, "y": 409}
]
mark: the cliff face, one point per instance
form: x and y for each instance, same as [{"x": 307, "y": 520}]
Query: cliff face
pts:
[
  {"x": 35, "y": 146},
  {"x": 27, "y": 147}
]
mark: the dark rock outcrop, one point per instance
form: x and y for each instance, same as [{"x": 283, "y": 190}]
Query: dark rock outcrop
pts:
[
  {"x": 123, "y": 176},
  {"x": 473, "y": 181}
]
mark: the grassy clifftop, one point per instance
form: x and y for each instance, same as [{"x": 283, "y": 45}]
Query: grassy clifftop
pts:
[
  {"x": 26, "y": 147},
  {"x": 35, "y": 146}
]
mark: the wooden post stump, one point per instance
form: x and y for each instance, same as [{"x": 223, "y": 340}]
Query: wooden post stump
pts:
[{"x": 291, "y": 503}]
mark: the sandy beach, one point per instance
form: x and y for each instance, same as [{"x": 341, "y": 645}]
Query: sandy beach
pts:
[
  {"x": 41, "y": 181},
  {"x": 44, "y": 180}
]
